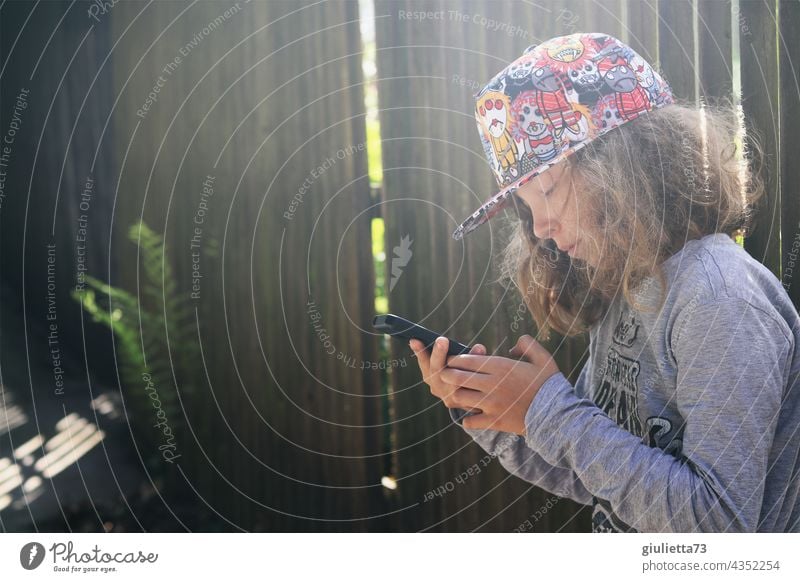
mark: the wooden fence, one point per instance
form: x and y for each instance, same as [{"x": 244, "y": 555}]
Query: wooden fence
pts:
[
  {"x": 286, "y": 436},
  {"x": 249, "y": 117},
  {"x": 428, "y": 70}
]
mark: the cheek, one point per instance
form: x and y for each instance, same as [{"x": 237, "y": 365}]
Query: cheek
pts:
[
  {"x": 583, "y": 218},
  {"x": 537, "y": 208},
  {"x": 572, "y": 218}
]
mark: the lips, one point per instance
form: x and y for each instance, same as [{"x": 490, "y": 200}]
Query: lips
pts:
[{"x": 568, "y": 249}]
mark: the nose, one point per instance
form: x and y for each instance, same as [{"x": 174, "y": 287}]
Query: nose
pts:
[{"x": 544, "y": 224}]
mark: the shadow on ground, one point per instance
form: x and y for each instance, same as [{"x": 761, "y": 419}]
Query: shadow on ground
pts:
[{"x": 68, "y": 462}]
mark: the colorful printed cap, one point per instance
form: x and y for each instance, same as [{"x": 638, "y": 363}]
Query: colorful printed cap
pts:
[{"x": 553, "y": 100}]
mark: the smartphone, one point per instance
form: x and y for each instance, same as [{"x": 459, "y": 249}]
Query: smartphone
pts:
[{"x": 402, "y": 328}]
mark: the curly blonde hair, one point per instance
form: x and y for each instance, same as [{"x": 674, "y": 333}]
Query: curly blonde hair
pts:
[{"x": 649, "y": 186}]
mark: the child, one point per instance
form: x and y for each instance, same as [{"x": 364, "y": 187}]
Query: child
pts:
[{"x": 686, "y": 415}]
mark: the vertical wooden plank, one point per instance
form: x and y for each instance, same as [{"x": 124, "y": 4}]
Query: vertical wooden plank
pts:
[
  {"x": 284, "y": 445},
  {"x": 337, "y": 253},
  {"x": 427, "y": 73},
  {"x": 370, "y": 440},
  {"x": 716, "y": 49},
  {"x": 789, "y": 49},
  {"x": 607, "y": 16},
  {"x": 676, "y": 46},
  {"x": 642, "y": 28},
  {"x": 760, "y": 88},
  {"x": 60, "y": 131}
]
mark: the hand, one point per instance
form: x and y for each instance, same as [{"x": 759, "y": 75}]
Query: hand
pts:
[
  {"x": 431, "y": 365},
  {"x": 502, "y": 388}
]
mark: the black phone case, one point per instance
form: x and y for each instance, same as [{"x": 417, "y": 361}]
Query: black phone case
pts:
[{"x": 400, "y": 327}]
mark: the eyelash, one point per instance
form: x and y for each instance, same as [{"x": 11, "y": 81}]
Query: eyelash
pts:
[{"x": 546, "y": 194}]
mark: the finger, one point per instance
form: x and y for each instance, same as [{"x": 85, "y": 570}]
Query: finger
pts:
[
  {"x": 479, "y": 421},
  {"x": 528, "y": 348},
  {"x": 478, "y": 363},
  {"x": 468, "y": 399},
  {"x": 468, "y": 379},
  {"x": 439, "y": 355},
  {"x": 422, "y": 356},
  {"x": 478, "y": 350}
]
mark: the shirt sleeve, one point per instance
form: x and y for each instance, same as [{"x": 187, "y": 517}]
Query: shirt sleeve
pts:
[
  {"x": 732, "y": 361},
  {"x": 520, "y": 460}
]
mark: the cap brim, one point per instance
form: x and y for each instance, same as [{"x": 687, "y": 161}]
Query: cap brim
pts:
[
  {"x": 500, "y": 200},
  {"x": 493, "y": 205}
]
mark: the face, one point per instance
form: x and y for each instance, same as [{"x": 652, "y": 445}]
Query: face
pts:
[
  {"x": 521, "y": 70},
  {"x": 551, "y": 198},
  {"x": 621, "y": 79},
  {"x": 586, "y": 75}
]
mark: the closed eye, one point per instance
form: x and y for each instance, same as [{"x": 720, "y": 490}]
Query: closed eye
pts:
[{"x": 519, "y": 199}]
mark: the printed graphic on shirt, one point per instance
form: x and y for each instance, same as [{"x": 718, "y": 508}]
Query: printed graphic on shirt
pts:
[
  {"x": 616, "y": 395},
  {"x": 604, "y": 520},
  {"x": 658, "y": 434},
  {"x": 626, "y": 330}
]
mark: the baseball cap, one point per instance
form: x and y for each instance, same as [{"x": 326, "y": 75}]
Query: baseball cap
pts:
[{"x": 554, "y": 99}]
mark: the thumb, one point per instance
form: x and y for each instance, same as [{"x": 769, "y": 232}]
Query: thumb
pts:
[
  {"x": 478, "y": 349},
  {"x": 528, "y": 348}
]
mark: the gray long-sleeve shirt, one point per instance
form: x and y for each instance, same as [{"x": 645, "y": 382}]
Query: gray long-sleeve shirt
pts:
[{"x": 682, "y": 420}]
